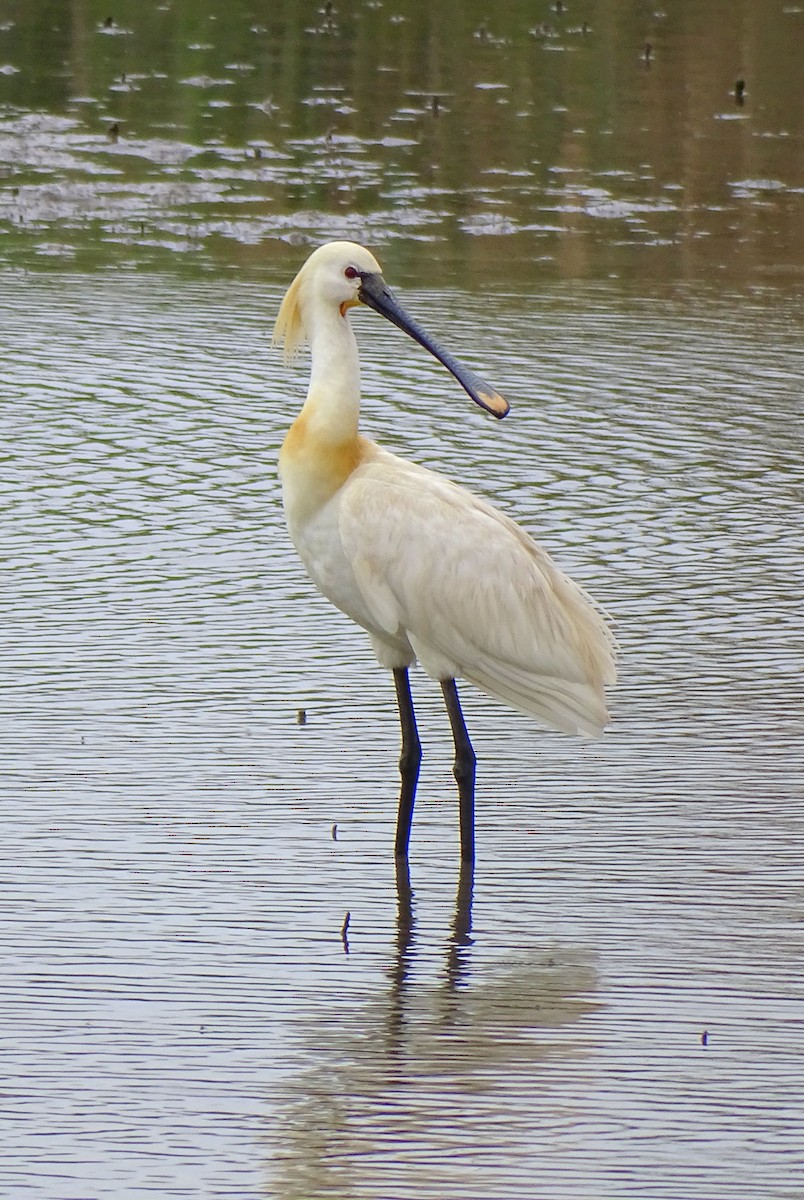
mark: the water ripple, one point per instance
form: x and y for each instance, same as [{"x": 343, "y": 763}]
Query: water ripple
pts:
[{"x": 180, "y": 1014}]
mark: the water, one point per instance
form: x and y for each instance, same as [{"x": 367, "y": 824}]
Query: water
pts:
[
  {"x": 612, "y": 1006},
  {"x": 598, "y": 141},
  {"x": 180, "y": 1014}
]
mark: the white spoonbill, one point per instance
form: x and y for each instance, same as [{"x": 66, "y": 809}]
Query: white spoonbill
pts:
[{"x": 430, "y": 571}]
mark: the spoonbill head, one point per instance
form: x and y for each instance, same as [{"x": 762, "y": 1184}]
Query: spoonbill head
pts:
[
  {"x": 325, "y": 284},
  {"x": 429, "y": 570}
]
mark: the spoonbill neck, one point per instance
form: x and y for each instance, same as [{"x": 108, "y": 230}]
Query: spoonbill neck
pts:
[
  {"x": 322, "y": 447},
  {"x": 332, "y": 407}
]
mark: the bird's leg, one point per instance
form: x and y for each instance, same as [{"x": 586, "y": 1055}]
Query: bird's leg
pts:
[
  {"x": 463, "y": 769},
  {"x": 409, "y": 761}
]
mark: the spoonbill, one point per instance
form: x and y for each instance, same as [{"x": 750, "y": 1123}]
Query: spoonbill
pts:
[{"x": 429, "y": 570}]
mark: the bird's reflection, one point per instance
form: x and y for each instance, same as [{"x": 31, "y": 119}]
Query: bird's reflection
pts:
[
  {"x": 460, "y": 942},
  {"x": 457, "y": 964},
  {"x": 401, "y": 965},
  {"x": 404, "y": 919},
  {"x": 442, "y": 1039}
]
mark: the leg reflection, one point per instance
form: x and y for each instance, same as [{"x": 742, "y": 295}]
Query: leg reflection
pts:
[
  {"x": 403, "y": 958},
  {"x": 404, "y": 917},
  {"x": 407, "y": 1006},
  {"x": 461, "y": 940}
]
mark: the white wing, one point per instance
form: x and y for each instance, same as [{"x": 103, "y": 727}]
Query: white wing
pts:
[{"x": 477, "y": 597}]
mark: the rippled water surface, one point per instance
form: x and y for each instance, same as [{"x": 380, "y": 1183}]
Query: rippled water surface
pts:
[
  {"x": 595, "y": 136},
  {"x": 583, "y": 203},
  {"x": 614, "y": 1008}
]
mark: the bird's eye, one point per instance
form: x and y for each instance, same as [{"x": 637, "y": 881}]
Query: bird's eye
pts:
[{"x": 351, "y": 272}]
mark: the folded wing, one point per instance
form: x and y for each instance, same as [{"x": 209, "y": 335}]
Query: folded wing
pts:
[{"x": 476, "y": 596}]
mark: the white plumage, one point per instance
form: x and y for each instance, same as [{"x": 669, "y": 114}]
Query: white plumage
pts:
[{"x": 431, "y": 571}]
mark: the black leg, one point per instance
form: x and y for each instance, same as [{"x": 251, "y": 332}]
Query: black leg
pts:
[
  {"x": 409, "y": 761},
  {"x": 463, "y": 769}
]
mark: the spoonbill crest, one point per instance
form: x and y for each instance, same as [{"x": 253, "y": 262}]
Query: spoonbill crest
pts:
[{"x": 430, "y": 571}]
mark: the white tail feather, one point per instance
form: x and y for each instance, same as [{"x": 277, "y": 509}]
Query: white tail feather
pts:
[{"x": 569, "y": 706}]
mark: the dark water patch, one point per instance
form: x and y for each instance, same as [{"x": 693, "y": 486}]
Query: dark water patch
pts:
[{"x": 215, "y": 134}]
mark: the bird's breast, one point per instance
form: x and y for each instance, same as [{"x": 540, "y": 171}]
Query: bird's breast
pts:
[
  {"x": 315, "y": 473},
  {"x": 313, "y": 467},
  {"x": 319, "y": 544}
]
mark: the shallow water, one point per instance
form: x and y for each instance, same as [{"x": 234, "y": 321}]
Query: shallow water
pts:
[
  {"x": 581, "y": 139},
  {"x": 180, "y": 1015},
  {"x": 574, "y": 200}
]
